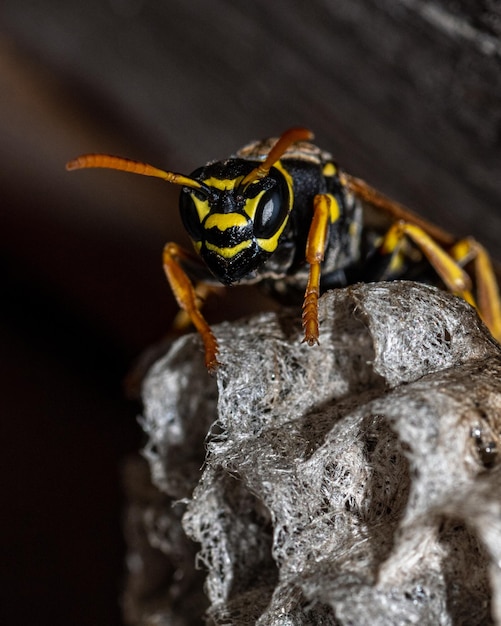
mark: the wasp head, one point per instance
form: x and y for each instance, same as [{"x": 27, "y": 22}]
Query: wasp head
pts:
[{"x": 236, "y": 225}]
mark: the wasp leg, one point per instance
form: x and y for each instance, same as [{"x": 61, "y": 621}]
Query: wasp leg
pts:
[
  {"x": 315, "y": 249},
  {"x": 396, "y": 211},
  {"x": 453, "y": 276},
  {"x": 186, "y": 297},
  {"x": 202, "y": 292},
  {"x": 486, "y": 286}
]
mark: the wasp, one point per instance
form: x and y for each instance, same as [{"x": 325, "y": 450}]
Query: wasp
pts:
[{"x": 281, "y": 213}]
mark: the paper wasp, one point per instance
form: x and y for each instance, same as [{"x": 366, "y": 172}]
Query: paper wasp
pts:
[{"x": 282, "y": 214}]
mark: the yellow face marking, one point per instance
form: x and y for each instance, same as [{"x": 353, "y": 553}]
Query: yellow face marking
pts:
[
  {"x": 202, "y": 206},
  {"x": 228, "y": 253},
  {"x": 269, "y": 245},
  {"x": 223, "y": 221},
  {"x": 251, "y": 204},
  {"x": 329, "y": 170},
  {"x": 223, "y": 184}
]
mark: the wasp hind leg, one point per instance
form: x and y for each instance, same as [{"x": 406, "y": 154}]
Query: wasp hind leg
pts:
[
  {"x": 448, "y": 266},
  {"x": 188, "y": 299},
  {"x": 488, "y": 301},
  {"x": 453, "y": 276},
  {"x": 315, "y": 250}
]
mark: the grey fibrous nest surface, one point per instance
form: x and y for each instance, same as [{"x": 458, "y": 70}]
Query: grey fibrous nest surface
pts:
[{"x": 354, "y": 482}]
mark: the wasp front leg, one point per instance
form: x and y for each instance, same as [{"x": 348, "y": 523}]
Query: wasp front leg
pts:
[
  {"x": 188, "y": 300},
  {"x": 203, "y": 291},
  {"x": 315, "y": 250}
]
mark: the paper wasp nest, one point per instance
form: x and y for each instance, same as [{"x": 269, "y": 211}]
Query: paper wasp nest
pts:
[{"x": 355, "y": 482}]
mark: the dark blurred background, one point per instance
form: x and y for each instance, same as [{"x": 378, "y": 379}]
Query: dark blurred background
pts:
[{"x": 405, "y": 93}]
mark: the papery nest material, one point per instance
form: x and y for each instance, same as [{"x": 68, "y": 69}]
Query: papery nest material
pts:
[{"x": 355, "y": 482}]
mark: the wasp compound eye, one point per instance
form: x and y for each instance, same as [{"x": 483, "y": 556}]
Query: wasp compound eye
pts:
[
  {"x": 190, "y": 216},
  {"x": 271, "y": 212}
]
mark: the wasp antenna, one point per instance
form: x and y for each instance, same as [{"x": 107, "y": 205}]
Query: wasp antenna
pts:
[
  {"x": 110, "y": 162},
  {"x": 290, "y": 137}
]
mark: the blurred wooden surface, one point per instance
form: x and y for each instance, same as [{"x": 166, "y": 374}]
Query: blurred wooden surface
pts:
[{"x": 406, "y": 94}]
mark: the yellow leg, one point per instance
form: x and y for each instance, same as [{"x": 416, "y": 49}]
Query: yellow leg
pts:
[
  {"x": 453, "y": 276},
  {"x": 487, "y": 290},
  {"x": 315, "y": 249},
  {"x": 187, "y": 299},
  {"x": 448, "y": 266},
  {"x": 182, "y": 320}
]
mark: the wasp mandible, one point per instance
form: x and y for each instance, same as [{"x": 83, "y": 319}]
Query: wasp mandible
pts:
[{"x": 282, "y": 214}]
